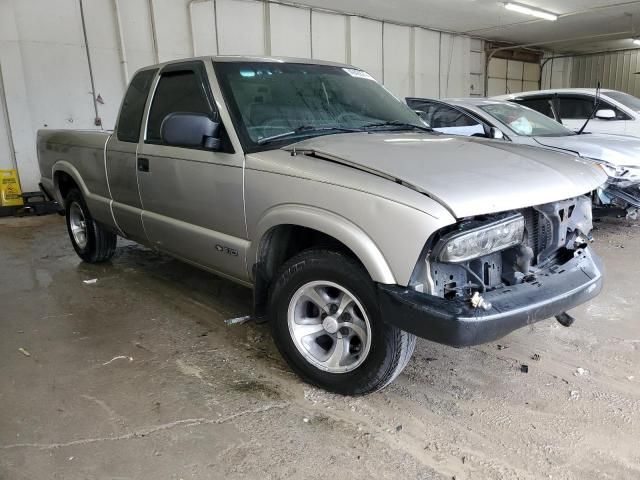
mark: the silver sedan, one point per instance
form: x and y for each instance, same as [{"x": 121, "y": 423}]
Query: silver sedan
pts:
[{"x": 618, "y": 155}]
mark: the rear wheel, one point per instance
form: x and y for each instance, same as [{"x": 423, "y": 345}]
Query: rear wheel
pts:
[
  {"x": 326, "y": 323},
  {"x": 92, "y": 242}
]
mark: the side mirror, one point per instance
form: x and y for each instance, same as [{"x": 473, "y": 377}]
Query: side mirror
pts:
[
  {"x": 495, "y": 133},
  {"x": 606, "y": 114},
  {"x": 191, "y": 130}
]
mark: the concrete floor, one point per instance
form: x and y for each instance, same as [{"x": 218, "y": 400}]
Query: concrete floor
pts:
[{"x": 137, "y": 377}]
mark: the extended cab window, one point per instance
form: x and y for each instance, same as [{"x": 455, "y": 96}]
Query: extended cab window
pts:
[
  {"x": 180, "y": 91},
  {"x": 133, "y": 106}
]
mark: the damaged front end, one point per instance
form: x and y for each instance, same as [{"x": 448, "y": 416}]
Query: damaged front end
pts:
[
  {"x": 489, "y": 275},
  {"x": 622, "y": 189}
]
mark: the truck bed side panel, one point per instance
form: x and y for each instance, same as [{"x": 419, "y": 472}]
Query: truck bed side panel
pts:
[{"x": 79, "y": 154}]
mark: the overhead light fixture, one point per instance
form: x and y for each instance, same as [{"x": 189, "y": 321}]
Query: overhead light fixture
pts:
[
  {"x": 517, "y": 7},
  {"x": 636, "y": 41}
]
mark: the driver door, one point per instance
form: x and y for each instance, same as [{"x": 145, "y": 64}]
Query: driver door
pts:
[{"x": 192, "y": 198}]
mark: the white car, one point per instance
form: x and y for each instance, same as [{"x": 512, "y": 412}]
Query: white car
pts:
[{"x": 617, "y": 113}]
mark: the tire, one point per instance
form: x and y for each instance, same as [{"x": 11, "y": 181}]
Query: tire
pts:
[
  {"x": 96, "y": 244},
  {"x": 375, "y": 353}
]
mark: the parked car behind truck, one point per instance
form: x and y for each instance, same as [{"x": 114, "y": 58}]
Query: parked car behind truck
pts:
[
  {"x": 617, "y": 155},
  {"x": 356, "y": 226},
  {"x": 617, "y": 113}
]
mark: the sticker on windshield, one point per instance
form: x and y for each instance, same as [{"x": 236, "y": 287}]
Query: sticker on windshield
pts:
[{"x": 358, "y": 73}]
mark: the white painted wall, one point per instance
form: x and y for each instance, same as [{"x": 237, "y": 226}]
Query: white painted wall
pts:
[
  {"x": 329, "y": 36},
  {"x": 366, "y": 46},
  {"x": 397, "y": 59},
  {"x": 427, "y": 63},
  {"x": 290, "y": 31},
  {"x": 47, "y": 78}
]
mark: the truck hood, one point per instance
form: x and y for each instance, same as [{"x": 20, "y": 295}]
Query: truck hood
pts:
[
  {"x": 468, "y": 176},
  {"x": 616, "y": 149}
]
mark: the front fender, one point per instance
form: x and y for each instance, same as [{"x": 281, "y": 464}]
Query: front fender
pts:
[{"x": 330, "y": 224}]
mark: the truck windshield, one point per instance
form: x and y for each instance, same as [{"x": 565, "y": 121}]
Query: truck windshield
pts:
[
  {"x": 525, "y": 122},
  {"x": 275, "y": 104}
]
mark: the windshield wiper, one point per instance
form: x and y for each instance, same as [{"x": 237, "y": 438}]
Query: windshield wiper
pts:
[
  {"x": 596, "y": 105},
  {"x": 395, "y": 123},
  {"x": 306, "y": 129}
]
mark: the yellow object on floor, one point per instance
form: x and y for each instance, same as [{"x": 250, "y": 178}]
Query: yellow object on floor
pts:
[{"x": 10, "y": 193}]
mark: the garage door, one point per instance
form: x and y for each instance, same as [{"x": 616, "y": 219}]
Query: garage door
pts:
[{"x": 512, "y": 76}]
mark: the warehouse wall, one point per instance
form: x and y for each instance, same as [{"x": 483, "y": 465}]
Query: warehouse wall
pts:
[
  {"x": 65, "y": 63},
  {"x": 615, "y": 70}
]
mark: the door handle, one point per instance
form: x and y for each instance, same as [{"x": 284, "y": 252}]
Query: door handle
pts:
[{"x": 143, "y": 164}]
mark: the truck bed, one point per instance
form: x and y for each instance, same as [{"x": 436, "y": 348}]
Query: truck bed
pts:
[{"x": 79, "y": 153}]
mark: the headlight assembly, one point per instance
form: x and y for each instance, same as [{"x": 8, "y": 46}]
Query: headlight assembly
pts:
[
  {"x": 611, "y": 170},
  {"x": 631, "y": 173},
  {"x": 462, "y": 246}
]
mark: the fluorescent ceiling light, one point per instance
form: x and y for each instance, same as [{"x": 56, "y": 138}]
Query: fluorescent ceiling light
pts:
[
  {"x": 636, "y": 41},
  {"x": 516, "y": 7}
]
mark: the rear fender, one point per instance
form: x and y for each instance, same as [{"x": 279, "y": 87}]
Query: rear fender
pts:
[{"x": 99, "y": 206}]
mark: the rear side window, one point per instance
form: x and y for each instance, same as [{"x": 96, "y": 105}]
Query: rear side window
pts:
[
  {"x": 133, "y": 106},
  {"x": 576, "y": 107},
  {"x": 582, "y": 107},
  {"x": 542, "y": 105},
  {"x": 180, "y": 91}
]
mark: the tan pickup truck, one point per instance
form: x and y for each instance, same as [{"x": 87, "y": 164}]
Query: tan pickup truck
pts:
[{"x": 357, "y": 226}]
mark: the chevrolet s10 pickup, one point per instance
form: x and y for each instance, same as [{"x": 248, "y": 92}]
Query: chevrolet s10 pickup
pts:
[{"x": 357, "y": 227}]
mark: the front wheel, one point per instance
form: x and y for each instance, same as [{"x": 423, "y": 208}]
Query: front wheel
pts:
[
  {"x": 326, "y": 322},
  {"x": 92, "y": 242}
]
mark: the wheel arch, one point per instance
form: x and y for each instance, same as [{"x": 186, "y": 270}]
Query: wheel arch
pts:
[
  {"x": 286, "y": 230},
  {"x": 66, "y": 176}
]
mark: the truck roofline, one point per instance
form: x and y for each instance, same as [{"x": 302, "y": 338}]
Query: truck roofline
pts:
[{"x": 249, "y": 58}]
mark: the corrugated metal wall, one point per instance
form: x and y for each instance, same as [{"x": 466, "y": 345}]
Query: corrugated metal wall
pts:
[
  {"x": 53, "y": 78},
  {"x": 615, "y": 70}
]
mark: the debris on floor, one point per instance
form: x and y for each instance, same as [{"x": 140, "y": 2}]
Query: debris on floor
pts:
[
  {"x": 580, "y": 372},
  {"x": 24, "y": 352},
  {"x": 502, "y": 347},
  {"x": 119, "y": 357},
  {"x": 524, "y": 368},
  {"x": 535, "y": 357},
  {"x": 238, "y": 320},
  {"x": 91, "y": 281}
]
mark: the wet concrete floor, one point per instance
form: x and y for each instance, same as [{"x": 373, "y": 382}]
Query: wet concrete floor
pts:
[{"x": 136, "y": 376}]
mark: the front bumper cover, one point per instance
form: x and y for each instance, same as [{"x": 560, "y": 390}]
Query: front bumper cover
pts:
[{"x": 456, "y": 323}]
